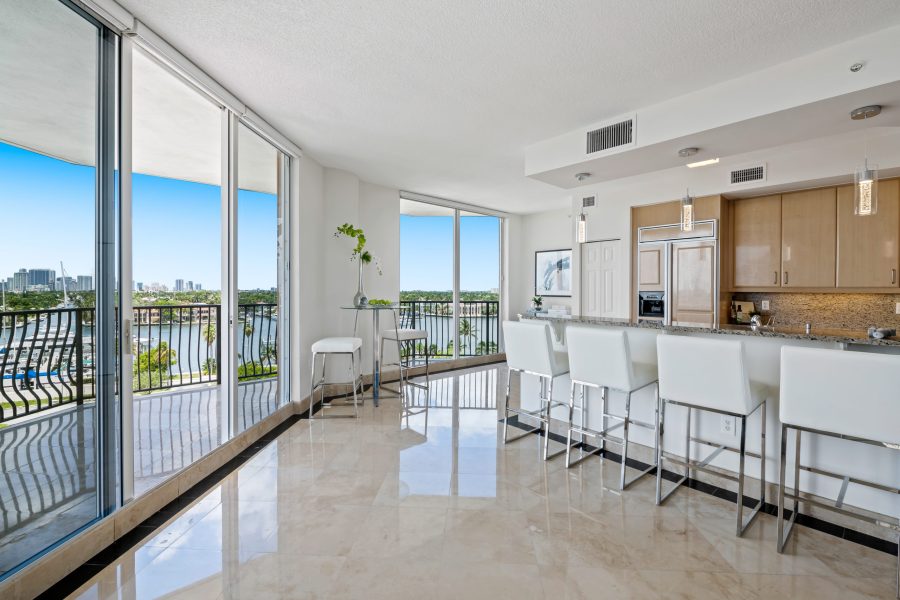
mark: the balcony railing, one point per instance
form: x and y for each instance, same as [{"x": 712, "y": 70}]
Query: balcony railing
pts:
[
  {"x": 479, "y": 326},
  {"x": 47, "y": 356}
]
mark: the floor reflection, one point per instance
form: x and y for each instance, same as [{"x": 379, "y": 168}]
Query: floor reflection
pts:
[
  {"x": 422, "y": 499},
  {"x": 47, "y": 489}
]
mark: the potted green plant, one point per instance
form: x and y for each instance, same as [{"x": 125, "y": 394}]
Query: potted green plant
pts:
[
  {"x": 360, "y": 255},
  {"x": 538, "y": 303}
]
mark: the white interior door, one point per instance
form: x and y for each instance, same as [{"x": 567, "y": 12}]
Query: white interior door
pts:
[{"x": 601, "y": 277}]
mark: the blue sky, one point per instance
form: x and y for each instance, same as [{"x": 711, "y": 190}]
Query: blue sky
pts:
[
  {"x": 426, "y": 253},
  {"x": 48, "y": 208}
]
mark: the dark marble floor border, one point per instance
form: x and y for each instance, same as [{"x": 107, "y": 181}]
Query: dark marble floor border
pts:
[{"x": 816, "y": 523}]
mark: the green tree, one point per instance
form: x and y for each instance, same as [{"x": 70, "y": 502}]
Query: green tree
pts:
[{"x": 208, "y": 332}]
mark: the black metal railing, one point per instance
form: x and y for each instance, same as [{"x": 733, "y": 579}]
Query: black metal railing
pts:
[
  {"x": 46, "y": 359},
  {"x": 47, "y": 356},
  {"x": 175, "y": 346},
  {"x": 257, "y": 342},
  {"x": 479, "y": 326}
]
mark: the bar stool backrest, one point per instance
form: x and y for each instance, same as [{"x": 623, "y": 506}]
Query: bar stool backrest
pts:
[
  {"x": 704, "y": 372},
  {"x": 848, "y": 393},
  {"x": 529, "y": 347},
  {"x": 600, "y": 356}
]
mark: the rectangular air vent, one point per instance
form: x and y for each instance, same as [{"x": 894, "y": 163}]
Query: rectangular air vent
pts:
[
  {"x": 587, "y": 202},
  {"x": 747, "y": 174},
  {"x": 611, "y": 136}
]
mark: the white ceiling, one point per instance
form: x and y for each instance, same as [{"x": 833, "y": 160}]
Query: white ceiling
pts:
[{"x": 441, "y": 98}]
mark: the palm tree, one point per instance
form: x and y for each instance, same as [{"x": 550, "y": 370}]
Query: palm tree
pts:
[
  {"x": 466, "y": 330},
  {"x": 208, "y": 332}
]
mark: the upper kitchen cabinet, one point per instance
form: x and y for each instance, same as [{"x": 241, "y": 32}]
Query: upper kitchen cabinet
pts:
[
  {"x": 867, "y": 247},
  {"x": 757, "y": 242},
  {"x": 809, "y": 239}
]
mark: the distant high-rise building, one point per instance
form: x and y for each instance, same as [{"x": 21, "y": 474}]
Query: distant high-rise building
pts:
[
  {"x": 70, "y": 284},
  {"x": 42, "y": 277},
  {"x": 85, "y": 283},
  {"x": 20, "y": 280},
  {"x": 197, "y": 287},
  {"x": 190, "y": 286},
  {"x": 179, "y": 285},
  {"x": 139, "y": 286}
]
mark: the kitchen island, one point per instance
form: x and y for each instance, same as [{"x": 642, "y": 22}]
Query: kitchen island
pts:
[{"x": 763, "y": 352}]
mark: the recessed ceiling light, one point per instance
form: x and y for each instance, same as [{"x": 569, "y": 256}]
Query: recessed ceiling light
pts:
[
  {"x": 582, "y": 176},
  {"x": 685, "y": 152},
  {"x": 703, "y": 163}
]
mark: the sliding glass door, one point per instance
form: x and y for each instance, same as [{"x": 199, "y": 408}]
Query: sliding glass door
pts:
[
  {"x": 178, "y": 405},
  {"x": 479, "y": 284},
  {"x": 259, "y": 243},
  {"x": 450, "y": 278},
  {"x": 57, "y": 263},
  {"x": 426, "y": 275}
]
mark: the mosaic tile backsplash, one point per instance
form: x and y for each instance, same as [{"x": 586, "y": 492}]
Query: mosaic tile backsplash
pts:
[{"x": 833, "y": 311}]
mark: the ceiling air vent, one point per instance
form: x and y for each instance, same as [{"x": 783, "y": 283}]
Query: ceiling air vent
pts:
[
  {"x": 587, "y": 202},
  {"x": 611, "y": 136},
  {"x": 748, "y": 174}
]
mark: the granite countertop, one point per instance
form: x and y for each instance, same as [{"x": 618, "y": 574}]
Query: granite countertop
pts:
[{"x": 841, "y": 336}]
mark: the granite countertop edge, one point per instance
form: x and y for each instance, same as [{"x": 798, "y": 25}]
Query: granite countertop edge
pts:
[{"x": 833, "y": 336}]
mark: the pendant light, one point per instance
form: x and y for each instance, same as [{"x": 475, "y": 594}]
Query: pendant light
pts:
[
  {"x": 865, "y": 178},
  {"x": 687, "y": 212},
  {"x": 865, "y": 192}
]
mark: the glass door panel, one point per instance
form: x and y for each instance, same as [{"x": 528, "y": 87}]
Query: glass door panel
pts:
[
  {"x": 49, "y": 425},
  {"x": 479, "y": 284},
  {"x": 259, "y": 227},
  {"x": 426, "y": 275},
  {"x": 178, "y": 401}
]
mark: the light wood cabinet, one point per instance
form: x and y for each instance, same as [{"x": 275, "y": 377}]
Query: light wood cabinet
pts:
[
  {"x": 809, "y": 239},
  {"x": 693, "y": 279},
  {"x": 867, "y": 247},
  {"x": 651, "y": 270},
  {"x": 757, "y": 242}
]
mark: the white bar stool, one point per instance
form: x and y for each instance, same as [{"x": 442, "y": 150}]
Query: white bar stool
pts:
[
  {"x": 817, "y": 389},
  {"x": 338, "y": 346},
  {"x": 529, "y": 349},
  {"x": 405, "y": 338},
  {"x": 710, "y": 375},
  {"x": 600, "y": 358}
]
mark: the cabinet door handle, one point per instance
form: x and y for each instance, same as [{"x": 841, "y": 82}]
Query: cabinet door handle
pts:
[
  {"x": 893, "y": 276},
  {"x": 776, "y": 279},
  {"x": 785, "y": 278}
]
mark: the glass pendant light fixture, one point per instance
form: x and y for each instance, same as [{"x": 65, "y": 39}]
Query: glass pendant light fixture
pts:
[
  {"x": 582, "y": 228},
  {"x": 687, "y": 212},
  {"x": 865, "y": 179},
  {"x": 865, "y": 190}
]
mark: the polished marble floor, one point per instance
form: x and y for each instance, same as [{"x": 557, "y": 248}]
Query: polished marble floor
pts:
[
  {"x": 433, "y": 505},
  {"x": 47, "y": 476}
]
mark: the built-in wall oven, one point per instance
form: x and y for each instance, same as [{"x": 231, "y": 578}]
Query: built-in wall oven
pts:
[{"x": 652, "y": 305}]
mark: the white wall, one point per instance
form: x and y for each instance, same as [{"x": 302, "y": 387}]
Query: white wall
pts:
[{"x": 551, "y": 230}]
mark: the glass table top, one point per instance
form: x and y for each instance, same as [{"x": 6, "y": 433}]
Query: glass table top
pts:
[{"x": 393, "y": 306}]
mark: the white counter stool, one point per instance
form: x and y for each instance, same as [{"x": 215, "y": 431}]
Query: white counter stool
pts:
[
  {"x": 405, "y": 338},
  {"x": 529, "y": 349},
  {"x": 710, "y": 375},
  {"x": 335, "y": 346},
  {"x": 847, "y": 395},
  {"x": 600, "y": 358}
]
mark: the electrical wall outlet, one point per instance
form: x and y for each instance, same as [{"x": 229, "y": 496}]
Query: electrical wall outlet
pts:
[
  {"x": 764, "y": 305},
  {"x": 728, "y": 425},
  {"x": 897, "y": 308}
]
